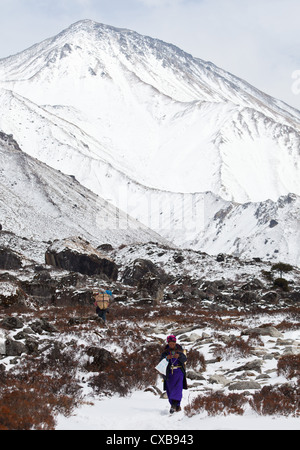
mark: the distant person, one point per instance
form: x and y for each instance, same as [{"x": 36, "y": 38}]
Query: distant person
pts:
[
  {"x": 175, "y": 379},
  {"x": 102, "y": 302}
]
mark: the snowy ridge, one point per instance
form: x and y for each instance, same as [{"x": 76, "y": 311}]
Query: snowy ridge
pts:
[
  {"x": 268, "y": 230},
  {"x": 40, "y": 203}
]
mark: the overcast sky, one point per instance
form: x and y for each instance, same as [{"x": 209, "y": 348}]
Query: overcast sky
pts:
[{"x": 257, "y": 40}]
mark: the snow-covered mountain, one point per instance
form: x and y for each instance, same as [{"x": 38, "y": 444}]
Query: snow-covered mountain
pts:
[
  {"x": 169, "y": 120},
  {"x": 172, "y": 140},
  {"x": 269, "y": 230}
]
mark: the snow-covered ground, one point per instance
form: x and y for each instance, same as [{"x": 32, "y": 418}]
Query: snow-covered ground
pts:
[{"x": 145, "y": 411}]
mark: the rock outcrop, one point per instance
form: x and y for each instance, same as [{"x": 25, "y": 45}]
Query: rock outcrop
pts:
[{"x": 77, "y": 255}]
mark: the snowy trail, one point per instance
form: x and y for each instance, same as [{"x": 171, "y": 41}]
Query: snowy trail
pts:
[
  {"x": 145, "y": 411},
  {"x": 140, "y": 411}
]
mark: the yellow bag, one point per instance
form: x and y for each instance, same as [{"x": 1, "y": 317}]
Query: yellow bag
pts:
[{"x": 102, "y": 300}]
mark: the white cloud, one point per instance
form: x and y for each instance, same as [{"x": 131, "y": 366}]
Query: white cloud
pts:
[{"x": 161, "y": 3}]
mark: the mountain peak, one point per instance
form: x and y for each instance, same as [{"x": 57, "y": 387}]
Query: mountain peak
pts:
[
  {"x": 94, "y": 29},
  {"x": 165, "y": 67},
  {"x": 111, "y": 83},
  {"x": 85, "y": 25}
]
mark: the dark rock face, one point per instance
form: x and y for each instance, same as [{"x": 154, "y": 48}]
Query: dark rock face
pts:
[
  {"x": 41, "y": 286},
  {"x": 9, "y": 260},
  {"x": 14, "y": 348},
  {"x": 81, "y": 258},
  {"x": 11, "y": 323},
  {"x": 139, "y": 268},
  {"x": 85, "y": 264},
  {"x": 149, "y": 279}
]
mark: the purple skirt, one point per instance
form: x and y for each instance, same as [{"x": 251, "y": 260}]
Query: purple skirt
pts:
[{"x": 174, "y": 386}]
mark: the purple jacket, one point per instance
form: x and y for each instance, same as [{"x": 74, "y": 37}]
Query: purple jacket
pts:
[{"x": 180, "y": 362}]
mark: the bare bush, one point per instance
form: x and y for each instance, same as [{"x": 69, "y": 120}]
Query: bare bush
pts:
[
  {"x": 132, "y": 371},
  {"x": 35, "y": 392},
  {"x": 289, "y": 366},
  {"x": 217, "y": 403},
  {"x": 234, "y": 348},
  {"x": 277, "y": 400},
  {"x": 196, "y": 360}
]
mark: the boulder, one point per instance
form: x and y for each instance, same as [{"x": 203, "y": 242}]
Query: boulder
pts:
[
  {"x": 218, "y": 379},
  {"x": 152, "y": 285},
  {"x": 11, "y": 294},
  {"x": 14, "y": 348},
  {"x": 41, "y": 325},
  {"x": 41, "y": 287},
  {"x": 270, "y": 297},
  {"x": 244, "y": 385},
  {"x": 249, "y": 297},
  {"x": 9, "y": 260},
  {"x": 193, "y": 375},
  {"x": 11, "y": 323},
  {"x": 134, "y": 273},
  {"x": 77, "y": 255},
  {"x": 101, "y": 359},
  {"x": 193, "y": 337},
  {"x": 250, "y": 365},
  {"x": 263, "y": 331},
  {"x": 105, "y": 247}
]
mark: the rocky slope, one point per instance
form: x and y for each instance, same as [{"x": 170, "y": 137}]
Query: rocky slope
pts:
[
  {"x": 40, "y": 203},
  {"x": 239, "y": 326}
]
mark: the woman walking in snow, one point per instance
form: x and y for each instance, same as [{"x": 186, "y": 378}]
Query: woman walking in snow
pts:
[{"x": 175, "y": 379}]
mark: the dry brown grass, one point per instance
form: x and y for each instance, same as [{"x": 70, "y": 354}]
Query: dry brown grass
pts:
[
  {"x": 217, "y": 403},
  {"x": 32, "y": 395},
  {"x": 281, "y": 400}
]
